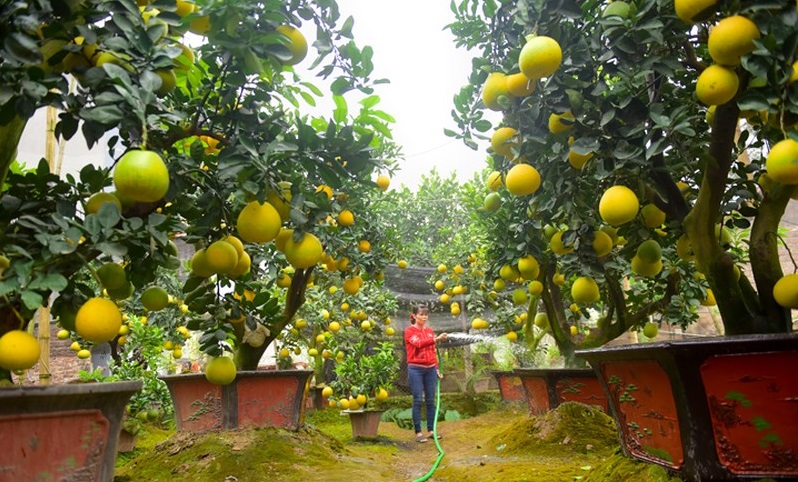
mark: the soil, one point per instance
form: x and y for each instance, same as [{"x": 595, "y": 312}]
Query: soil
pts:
[{"x": 572, "y": 443}]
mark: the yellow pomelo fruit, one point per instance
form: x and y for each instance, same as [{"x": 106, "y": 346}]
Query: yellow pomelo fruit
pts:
[
  {"x": 508, "y": 273},
  {"x": 561, "y": 122},
  {"x": 455, "y": 309},
  {"x": 785, "y": 291},
  {"x": 258, "y": 223},
  {"x": 304, "y": 253},
  {"x": 528, "y": 267},
  {"x": 98, "y": 320},
  {"x": 184, "y": 8},
  {"x": 602, "y": 243},
  {"x": 500, "y": 141},
  {"x": 363, "y": 246},
  {"x": 653, "y": 217},
  {"x": 282, "y": 237},
  {"x": 643, "y": 268},
  {"x": 237, "y": 244},
  {"x": 494, "y": 180},
  {"x": 519, "y": 85},
  {"x": 694, "y": 10},
  {"x": 535, "y": 288},
  {"x": 383, "y": 182},
  {"x": 221, "y": 257},
  {"x": 557, "y": 246},
  {"x": 611, "y": 232},
  {"x": 540, "y": 57},
  {"x": 346, "y": 218},
  {"x": 19, "y": 350},
  {"x": 168, "y": 80},
  {"x": 542, "y": 320},
  {"x": 112, "y": 276},
  {"x": 84, "y": 354},
  {"x": 382, "y": 394},
  {"x": 200, "y": 266},
  {"x": 710, "y": 299},
  {"x": 439, "y": 285},
  {"x": 200, "y": 25},
  {"x": 494, "y": 87},
  {"x": 522, "y": 180},
  {"x": 782, "y": 162},
  {"x": 732, "y": 38},
  {"x": 326, "y": 392},
  {"x": 221, "y": 371},
  {"x": 585, "y": 290},
  {"x": 618, "y": 205},
  {"x": 558, "y": 279},
  {"x": 98, "y": 199},
  {"x": 155, "y": 298},
  {"x": 351, "y": 286},
  {"x": 402, "y": 264},
  {"x": 282, "y": 203},
  {"x": 445, "y": 298},
  {"x": 684, "y": 248},
  {"x": 649, "y": 251},
  {"x": 141, "y": 176},
  {"x": 327, "y": 190},
  {"x": 243, "y": 267},
  {"x": 297, "y": 43},
  {"x": 794, "y": 75},
  {"x": 716, "y": 85},
  {"x": 578, "y": 161}
]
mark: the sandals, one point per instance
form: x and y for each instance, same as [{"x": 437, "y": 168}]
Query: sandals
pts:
[
  {"x": 433, "y": 436},
  {"x": 421, "y": 439}
]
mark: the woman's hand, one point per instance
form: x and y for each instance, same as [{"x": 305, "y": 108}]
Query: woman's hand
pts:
[
  {"x": 440, "y": 375},
  {"x": 441, "y": 337}
]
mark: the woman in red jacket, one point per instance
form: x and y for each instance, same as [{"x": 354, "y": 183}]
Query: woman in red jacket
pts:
[{"x": 422, "y": 367}]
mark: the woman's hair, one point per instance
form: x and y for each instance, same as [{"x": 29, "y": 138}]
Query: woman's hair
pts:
[{"x": 416, "y": 310}]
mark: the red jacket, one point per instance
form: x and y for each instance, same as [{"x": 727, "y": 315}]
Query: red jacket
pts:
[{"x": 420, "y": 345}]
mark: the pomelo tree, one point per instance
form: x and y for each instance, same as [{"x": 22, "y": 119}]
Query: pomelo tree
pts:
[
  {"x": 646, "y": 154},
  {"x": 211, "y": 143}
]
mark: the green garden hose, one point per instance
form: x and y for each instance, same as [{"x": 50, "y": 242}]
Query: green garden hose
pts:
[{"x": 435, "y": 435}]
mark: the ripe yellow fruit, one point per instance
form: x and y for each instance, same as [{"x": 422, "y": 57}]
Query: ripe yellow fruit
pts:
[
  {"x": 98, "y": 320},
  {"x": 479, "y": 324},
  {"x": 585, "y": 290},
  {"x": 282, "y": 237},
  {"x": 519, "y": 85},
  {"x": 439, "y": 285},
  {"x": 390, "y": 331},
  {"x": 710, "y": 299},
  {"x": 694, "y": 10},
  {"x": 200, "y": 266},
  {"x": 618, "y": 205},
  {"x": 785, "y": 291},
  {"x": 383, "y": 182},
  {"x": 285, "y": 353},
  {"x": 542, "y": 320},
  {"x": 732, "y": 38},
  {"x": 684, "y": 248},
  {"x": 512, "y": 336},
  {"x": 644, "y": 268},
  {"x": 327, "y": 190},
  {"x": 62, "y": 334},
  {"x": 19, "y": 350},
  {"x": 351, "y": 286},
  {"x": 522, "y": 180},
  {"x": 716, "y": 85},
  {"x": 494, "y": 87},
  {"x": 243, "y": 266},
  {"x": 508, "y": 273},
  {"x": 557, "y": 247},
  {"x": 297, "y": 44},
  {"x": 258, "y": 223},
  {"x": 782, "y": 162},
  {"x": 528, "y": 267},
  {"x": 96, "y": 201},
  {"x": 281, "y": 202},
  {"x": 382, "y": 394},
  {"x": 578, "y": 161},
  {"x": 200, "y": 25},
  {"x": 84, "y": 354},
  {"x": 445, "y": 298},
  {"x": 75, "y": 346},
  {"x": 561, "y": 122},
  {"x": 221, "y": 371},
  {"x": 221, "y": 257},
  {"x": 334, "y": 326},
  {"x": 520, "y": 296},
  {"x": 326, "y": 392},
  {"x": 141, "y": 176},
  {"x": 494, "y": 180},
  {"x": 304, "y": 253},
  {"x": 535, "y": 288},
  {"x": 455, "y": 309},
  {"x": 653, "y": 217},
  {"x": 574, "y": 330},
  {"x": 602, "y": 243},
  {"x": 346, "y": 218},
  {"x": 155, "y": 298},
  {"x": 558, "y": 279},
  {"x": 402, "y": 264},
  {"x": 500, "y": 141},
  {"x": 363, "y": 246},
  {"x": 540, "y": 57},
  {"x": 236, "y": 243}
]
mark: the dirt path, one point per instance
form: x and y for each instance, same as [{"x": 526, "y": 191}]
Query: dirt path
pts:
[{"x": 505, "y": 445}]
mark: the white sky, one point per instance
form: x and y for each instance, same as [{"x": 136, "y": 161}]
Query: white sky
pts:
[{"x": 426, "y": 70}]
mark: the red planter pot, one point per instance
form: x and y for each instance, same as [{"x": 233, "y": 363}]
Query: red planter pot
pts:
[
  {"x": 267, "y": 398},
  {"x": 546, "y": 389},
  {"x": 510, "y": 386},
  {"x": 365, "y": 423},
  {"x": 713, "y": 409},
  {"x": 63, "y": 432}
]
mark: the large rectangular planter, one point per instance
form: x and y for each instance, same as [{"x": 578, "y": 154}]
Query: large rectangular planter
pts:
[
  {"x": 261, "y": 398},
  {"x": 511, "y": 388},
  {"x": 712, "y": 409},
  {"x": 547, "y": 388},
  {"x": 62, "y": 432}
]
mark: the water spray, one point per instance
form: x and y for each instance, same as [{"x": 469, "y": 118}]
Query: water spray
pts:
[{"x": 469, "y": 338}]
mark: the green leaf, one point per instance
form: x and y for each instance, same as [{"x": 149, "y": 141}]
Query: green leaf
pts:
[
  {"x": 51, "y": 281},
  {"x": 32, "y": 300}
]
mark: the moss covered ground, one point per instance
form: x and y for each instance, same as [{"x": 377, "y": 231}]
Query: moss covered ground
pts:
[{"x": 488, "y": 443}]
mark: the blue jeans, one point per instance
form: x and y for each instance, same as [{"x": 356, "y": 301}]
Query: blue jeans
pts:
[{"x": 423, "y": 382}]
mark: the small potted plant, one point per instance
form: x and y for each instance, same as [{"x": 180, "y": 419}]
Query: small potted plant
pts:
[{"x": 364, "y": 375}]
